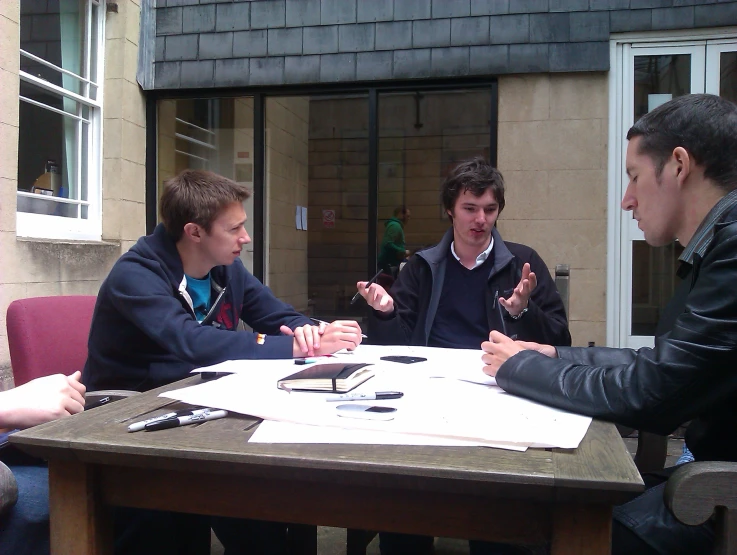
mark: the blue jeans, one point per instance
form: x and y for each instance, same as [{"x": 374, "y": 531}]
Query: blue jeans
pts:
[{"x": 25, "y": 530}]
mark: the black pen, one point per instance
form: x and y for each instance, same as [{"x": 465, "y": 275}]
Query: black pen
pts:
[
  {"x": 98, "y": 403},
  {"x": 368, "y": 284},
  {"x": 176, "y": 421}
]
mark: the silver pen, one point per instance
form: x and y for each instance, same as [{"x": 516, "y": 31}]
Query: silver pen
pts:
[{"x": 379, "y": 395}]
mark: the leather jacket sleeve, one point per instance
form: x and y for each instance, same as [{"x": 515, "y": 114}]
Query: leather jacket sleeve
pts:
[{"x": 688, "y": 372}]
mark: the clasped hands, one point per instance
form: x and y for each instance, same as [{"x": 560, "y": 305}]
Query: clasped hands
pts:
[{"x": 324, "y": 339}]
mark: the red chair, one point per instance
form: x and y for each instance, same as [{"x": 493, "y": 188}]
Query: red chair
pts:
[{"x": 48, "y": 335}]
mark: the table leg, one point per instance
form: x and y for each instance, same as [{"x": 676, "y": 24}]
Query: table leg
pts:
[
  {"x": 80, "y": 523},
  {"x": 582, "y": 530}
]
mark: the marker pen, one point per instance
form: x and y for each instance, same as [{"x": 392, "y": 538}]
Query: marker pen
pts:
[
  {"x": 184, "y": 420},
  {"x": 138, "y": 426},
  {"x": 379, "y": 395}
]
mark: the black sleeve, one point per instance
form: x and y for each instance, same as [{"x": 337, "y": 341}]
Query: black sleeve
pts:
[
  {"x": 689, "y": 371},
  {"x": 397, "y": 328},
  {"x": 545, "y": 321}
]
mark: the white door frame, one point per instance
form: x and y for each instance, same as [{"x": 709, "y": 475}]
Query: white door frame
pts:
[{"x": 705, "y": 48}]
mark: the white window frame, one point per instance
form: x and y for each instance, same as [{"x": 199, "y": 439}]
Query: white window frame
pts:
[
  {"x": 43, "y": 226},
  {"x": 621, "y": 47}
]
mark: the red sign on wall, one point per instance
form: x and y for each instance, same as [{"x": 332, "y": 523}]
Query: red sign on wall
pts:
[{"x": 328, "y": 218}]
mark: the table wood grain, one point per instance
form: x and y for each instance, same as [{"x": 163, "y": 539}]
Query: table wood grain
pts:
[{"x": 559, "y": 496}]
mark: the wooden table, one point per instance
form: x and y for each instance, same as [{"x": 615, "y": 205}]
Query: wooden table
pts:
[{"x": 562, "y": 496}]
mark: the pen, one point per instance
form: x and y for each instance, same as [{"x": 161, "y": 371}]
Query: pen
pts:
[
  {"x": 98, "y": 403},
  {"x": 368, "y": 284},
  {"x": 318, "y": 321},
  {"x": 304, "y": 360},
  {"x": 184, "y": 420},
  {"x": 379, "y": 395},
  {"x": 138, "y": 426}
]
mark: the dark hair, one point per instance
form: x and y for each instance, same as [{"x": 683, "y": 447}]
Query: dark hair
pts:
[
  {"x": 400, "y": 210},
  {"x": 197, "y": 196},
  {"x": 475, "y": 175},
  {"x": 703, "y": 124}
]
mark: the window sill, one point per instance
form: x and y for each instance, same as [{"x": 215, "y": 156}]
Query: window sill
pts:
[{"x": 75, "y": 242}]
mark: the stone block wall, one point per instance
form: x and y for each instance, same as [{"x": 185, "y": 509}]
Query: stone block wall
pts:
[
  {"x": 37, "y": 267},
  {"x": 553, "y": 136}
]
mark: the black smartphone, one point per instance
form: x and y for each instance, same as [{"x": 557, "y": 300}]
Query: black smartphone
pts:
[{"x": 403, "y": 359}]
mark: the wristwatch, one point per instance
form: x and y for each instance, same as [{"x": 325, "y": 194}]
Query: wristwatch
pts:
[{"x": 522, "y": 313}]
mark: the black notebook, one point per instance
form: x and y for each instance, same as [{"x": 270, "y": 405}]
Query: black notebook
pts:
[{"x": 334, "y": 377}]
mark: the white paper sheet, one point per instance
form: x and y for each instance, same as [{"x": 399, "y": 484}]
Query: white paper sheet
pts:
[
  {"x": 270, "y": 431},
  {"x": 447, "y": 396}
]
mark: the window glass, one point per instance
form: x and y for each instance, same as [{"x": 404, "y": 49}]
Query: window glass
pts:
[{"x": 59, "y": 115}]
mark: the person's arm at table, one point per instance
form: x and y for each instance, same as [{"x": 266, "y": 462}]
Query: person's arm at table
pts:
[
  {"x": 41, "y": 400},
  {"x": 394, "y": 315},
  {"x": 265, "y": 313}
]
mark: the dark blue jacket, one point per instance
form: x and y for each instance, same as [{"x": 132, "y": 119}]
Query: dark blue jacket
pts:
[
  {"x": 417, "y": 291},
  {"x": 144, "y": 333}
]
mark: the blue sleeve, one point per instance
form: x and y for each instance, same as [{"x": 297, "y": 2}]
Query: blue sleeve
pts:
[
  {"x": 264, "y": 312},
  {"x": 148, "y": 300}
]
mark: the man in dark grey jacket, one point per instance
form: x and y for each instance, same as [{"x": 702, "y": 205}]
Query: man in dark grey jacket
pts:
[{"x": 683, "y": 185}]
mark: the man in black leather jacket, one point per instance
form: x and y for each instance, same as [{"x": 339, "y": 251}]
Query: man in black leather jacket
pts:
[{"x": 682, "y": 169}]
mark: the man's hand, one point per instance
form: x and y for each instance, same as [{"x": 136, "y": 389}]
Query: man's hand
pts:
[
  {"x": 517, "y": 302},
  {"x": 376, "y": 297},
  {"x": 306, "y": 338},
  {"x": 341, "y": 334},
  {"x": 42, "y": 400},
  {"x": 499, "y": 348}
]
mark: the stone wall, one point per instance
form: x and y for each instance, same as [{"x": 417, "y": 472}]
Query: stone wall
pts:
[
  {"x": 35, "y": 267},
  {"x": 553, "y": 154}
]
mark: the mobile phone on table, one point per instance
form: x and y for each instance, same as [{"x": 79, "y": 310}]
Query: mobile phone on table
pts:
[
  {"x": 366, "y": 412},
  {"x": 403, "y": 359}
]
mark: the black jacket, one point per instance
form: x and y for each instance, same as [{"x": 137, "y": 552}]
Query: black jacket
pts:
[
  {"x": 690, "y": 374},
  {"x": 144, "y": 333},
  {"x": 416, "y": 295}
]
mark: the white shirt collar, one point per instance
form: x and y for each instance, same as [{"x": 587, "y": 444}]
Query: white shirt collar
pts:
[{"x": 480, "y": 259}]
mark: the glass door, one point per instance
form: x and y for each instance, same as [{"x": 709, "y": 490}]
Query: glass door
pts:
[
  {"x": 721, "y": 69},
  {"x": 650, "y": 74}
]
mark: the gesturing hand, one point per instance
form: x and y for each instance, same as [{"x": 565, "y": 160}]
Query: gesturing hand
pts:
[
  {"x": 341, "y": 334},
  {"x": 376, "y": 297},
  {"x": 42, "y": 400},
  {"x": 520, "y": 297},
  {"x": 306, "y": 338}
]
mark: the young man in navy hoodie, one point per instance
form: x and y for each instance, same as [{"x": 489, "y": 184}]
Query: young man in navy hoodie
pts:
[{"x": 173, "y": 303}]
